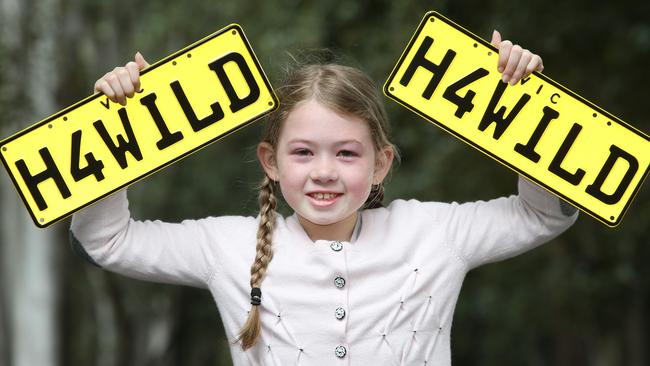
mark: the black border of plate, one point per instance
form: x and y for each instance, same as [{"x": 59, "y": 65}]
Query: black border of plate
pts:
[
  {"x": 89, "y": 99},
  {"x": 436, "y": 15}
]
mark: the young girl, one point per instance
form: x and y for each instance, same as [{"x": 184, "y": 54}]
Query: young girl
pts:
[{"x": 343, "y": 280}]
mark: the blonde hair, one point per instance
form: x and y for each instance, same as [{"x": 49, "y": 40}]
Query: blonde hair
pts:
[{"x": 342, "y": 88}]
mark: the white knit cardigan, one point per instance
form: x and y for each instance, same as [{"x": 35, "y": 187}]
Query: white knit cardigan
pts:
[{"x": 387, "y": 298}]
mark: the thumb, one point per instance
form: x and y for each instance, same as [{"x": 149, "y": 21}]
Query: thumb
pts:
[
  {"x": 496, "y": 38},
  {"x": 142, "y": 63}
]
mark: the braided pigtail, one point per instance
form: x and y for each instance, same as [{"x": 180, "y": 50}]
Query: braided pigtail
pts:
[{"x": 251, "y": 330}]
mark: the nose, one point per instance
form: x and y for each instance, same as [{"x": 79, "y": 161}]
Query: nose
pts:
[{"x": 324, "y": 170}]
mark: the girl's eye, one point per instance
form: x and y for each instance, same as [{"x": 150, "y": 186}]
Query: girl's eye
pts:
[
  {"x": 302, "y": 152},
  {"x": 347, "y": 153}
]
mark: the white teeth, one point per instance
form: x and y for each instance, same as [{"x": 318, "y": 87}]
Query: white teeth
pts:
[{"x": 324, "y": 196}]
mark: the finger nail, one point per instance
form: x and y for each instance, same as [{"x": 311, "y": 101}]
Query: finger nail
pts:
[
  {"x": 500, "y": 68},
  {"x": 504, "y": 78},
  {"x": 513, "y": 81}
]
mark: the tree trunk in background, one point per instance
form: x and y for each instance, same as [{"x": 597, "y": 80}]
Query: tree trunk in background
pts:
[
  {"x": 28, "y": 253},
  {"x": 10, "y": 37}
]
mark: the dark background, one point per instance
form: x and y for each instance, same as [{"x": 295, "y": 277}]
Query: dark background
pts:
[{"x": 580, "y": 300}]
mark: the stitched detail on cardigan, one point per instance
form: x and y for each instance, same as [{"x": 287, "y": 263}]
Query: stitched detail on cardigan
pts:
[
  {"x": 406, "y": 349},
  {"x": 419, "y": 346},
  {"x": 213, "y": 269},
  {"x": 419, "y": 311},
  {"x": 272, "y": 355},
  {"x": 400, "y": 306},
  {"x": 263, "y": 343},
  {"x": 80, "y": 250},
  {"x": 405, "y": 293},
  {"x": 420, "y": 319},
  {"x": 429, "y": 305},
  {"x": 432, "y": 345},
  {"x": 212, "y": 273},
  {"x": 416, "y": 348},
  {"x": 384, "y": 340},
  {"x": 300, "y": 350},
  {"x": 451, "y": 244},
  {"x": 275, "y": 311}
]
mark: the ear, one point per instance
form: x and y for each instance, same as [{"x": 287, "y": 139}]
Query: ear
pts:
[
  {"x": 383, "y": 162},
  {"x": 266, "y": 156}
]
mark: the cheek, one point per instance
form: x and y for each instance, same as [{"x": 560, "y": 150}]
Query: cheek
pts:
[
  {"x": 360, "y": 181},
  {"x": 291, "y": 191},
  {"x": 292, "y": 178}
]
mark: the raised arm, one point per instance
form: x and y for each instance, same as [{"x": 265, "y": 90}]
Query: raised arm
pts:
[
  {"x": 183, "y": 253},
  {"x": 488, "y": 231},
  {"x": 106, "y": 235}
]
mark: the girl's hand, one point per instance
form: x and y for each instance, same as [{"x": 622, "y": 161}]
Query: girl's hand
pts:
[
  {"x": 515, "y": 62},
  {"x": 122, "y": 82}
]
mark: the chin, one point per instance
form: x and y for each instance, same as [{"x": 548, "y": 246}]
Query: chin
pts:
[{"x": 322, "y": 222}]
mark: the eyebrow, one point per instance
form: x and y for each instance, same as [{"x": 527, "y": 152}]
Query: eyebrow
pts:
[{"x": 338, "y": 143}]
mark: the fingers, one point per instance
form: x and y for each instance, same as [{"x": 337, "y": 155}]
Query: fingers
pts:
[
  {"x": 536, "y": 64},
  {"x": 521, "y": 64},
  {"x": 505, "y": 48},
  {"x": 139, "y": 59},
  {"x": 112, "y": 78},
  {"x": 123, "y": 82},
  {"x": 514, "y": 59},
  {"x": 515, "y": 62},
  {"x": 133, "y": 70},
  {"x": 521, "y": 68},
  {"x": 496, "y": 38},
  {"x": 102, "y": 86}
]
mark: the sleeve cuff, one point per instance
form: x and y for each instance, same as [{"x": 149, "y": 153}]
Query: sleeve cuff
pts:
[{"x": 541, "y": 198}]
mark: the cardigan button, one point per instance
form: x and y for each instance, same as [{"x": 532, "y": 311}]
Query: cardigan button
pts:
[
  {"x": 339, "y": 313},
  {"x": 336, "y": 246},
  {"x": 339, "y": 282},
  {"x": 340, "y": 351}
]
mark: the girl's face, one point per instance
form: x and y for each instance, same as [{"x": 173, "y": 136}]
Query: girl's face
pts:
[{"x": 325, "y": 163}]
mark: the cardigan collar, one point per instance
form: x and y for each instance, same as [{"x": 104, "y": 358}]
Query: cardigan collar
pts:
[{"x": 294, "y": 225}]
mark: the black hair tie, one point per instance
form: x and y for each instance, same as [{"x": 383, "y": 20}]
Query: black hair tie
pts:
[{"x": 256, "y": 296}]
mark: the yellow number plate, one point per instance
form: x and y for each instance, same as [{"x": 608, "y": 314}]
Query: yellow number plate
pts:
[
  {"x": 95, "y": 147},
  {"x": 537, "y": 127}
]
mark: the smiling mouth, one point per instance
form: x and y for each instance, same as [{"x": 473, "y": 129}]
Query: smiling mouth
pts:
[{"x": 324, "y": 196}]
